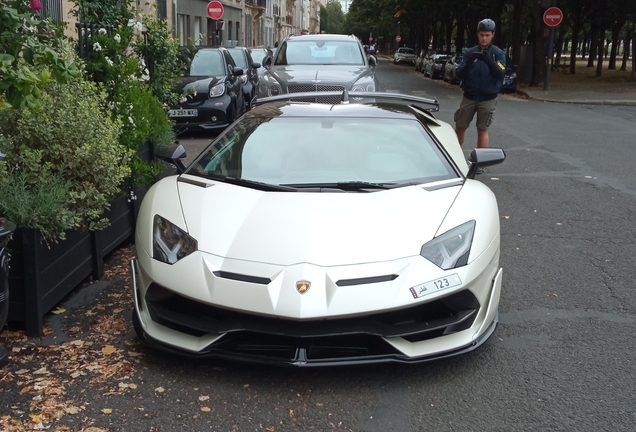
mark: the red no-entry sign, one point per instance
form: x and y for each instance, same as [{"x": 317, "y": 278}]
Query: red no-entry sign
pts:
[
  {"x": 215, "y": 10},
  {"x": 553, "y": 16},
  {"x": 398, "y": 38}
]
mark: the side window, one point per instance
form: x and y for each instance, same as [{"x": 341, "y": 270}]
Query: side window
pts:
[{"x": 230, "y": 62}]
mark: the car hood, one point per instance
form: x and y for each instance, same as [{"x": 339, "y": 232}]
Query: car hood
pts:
[
  {"x": 309, "y": 74},
  {"x": 200, "y": 84},
  {"x": 324, "y": 229}
]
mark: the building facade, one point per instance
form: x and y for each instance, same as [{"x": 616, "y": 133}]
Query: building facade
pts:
[{"x": 244, "y": 22}]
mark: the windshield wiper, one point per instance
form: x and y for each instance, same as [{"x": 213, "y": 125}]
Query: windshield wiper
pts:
[
  {"x": 347, "y": 185},
  {"x": 252, "y": 183}
]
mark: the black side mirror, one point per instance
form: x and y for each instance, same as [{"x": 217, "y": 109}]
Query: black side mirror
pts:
[
  {"x": 373, "y": 62},
  {"x": 256, "y": 65},
  {"x": 172, "y": 153},
  {"x": 237, "y": 71},
  {"x": 484, "y": 157},
  {"x": 267, "y": 62}
]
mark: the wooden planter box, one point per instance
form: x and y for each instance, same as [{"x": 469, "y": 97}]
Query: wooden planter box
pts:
[{"x": 42, "y": 274}]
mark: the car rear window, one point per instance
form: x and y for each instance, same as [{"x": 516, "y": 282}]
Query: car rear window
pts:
[
  {"x": 319, "y": 53},
  {"x": 302, "y": 150},
  {"x": 239, "y": 58}
]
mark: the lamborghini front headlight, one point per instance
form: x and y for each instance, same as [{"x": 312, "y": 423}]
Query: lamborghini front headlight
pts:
[
  {"x": 451, "y": 249},
  {"x": 169, "y": 242}
]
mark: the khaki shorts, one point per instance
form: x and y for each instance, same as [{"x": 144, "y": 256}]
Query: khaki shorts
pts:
[{"x": 485, "y": 113}]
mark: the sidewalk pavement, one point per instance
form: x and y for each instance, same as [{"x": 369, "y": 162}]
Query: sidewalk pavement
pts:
[{"x": 598, "y": 94}]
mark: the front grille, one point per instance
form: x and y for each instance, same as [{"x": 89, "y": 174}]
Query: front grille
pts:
[
  {"x": 308, "y": 88},
  {"x": 334, "y": 341}
]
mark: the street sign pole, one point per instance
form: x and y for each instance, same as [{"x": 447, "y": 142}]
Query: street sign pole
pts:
[
  {"x": 548, "y": 68},
  {"x": 552, "y": 17}
]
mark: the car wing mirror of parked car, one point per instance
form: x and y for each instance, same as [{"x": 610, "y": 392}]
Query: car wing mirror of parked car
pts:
[
  {"x": 256, "y": 65},
  {"x": 373, "y": 62},
  {"x": 172, "y": 153},
  {"x": 484, "y": 157},
  {"x": 267, "y": 62},
  {"x": 237, "y": 71}
]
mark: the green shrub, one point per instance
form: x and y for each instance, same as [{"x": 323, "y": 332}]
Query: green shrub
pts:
[{"x": 70, "y": 137}]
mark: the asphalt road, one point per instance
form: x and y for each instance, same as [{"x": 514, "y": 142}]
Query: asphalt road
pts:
[{"x": 562, "y": 357}]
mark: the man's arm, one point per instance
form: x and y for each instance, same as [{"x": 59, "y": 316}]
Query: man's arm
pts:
[
  {"x": 497, "y": 65},
  {"x": 464, "y": 66}
]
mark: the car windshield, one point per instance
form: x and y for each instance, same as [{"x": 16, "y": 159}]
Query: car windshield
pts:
[
  {"x": 406, "y": 51},
  {"x": 306, "y": 151},
  {"x": 441, "y": 58},
  {"x": 239, "y": 58},
  {"x": 308, "y": 52},
  {"x": 207, "y": 63}
]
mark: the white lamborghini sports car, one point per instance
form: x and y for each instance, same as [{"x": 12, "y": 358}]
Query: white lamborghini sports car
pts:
[{"x": 314, "y": 234}]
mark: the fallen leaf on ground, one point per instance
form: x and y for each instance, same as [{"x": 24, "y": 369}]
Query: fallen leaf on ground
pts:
[
  {"x": 107, "y": 411},
  {"x": 160, "y": 389},
  {"x": 58, "y": 310},
  {"x": 108, "y": 350},
  {"x": 204, "y": 398},
  {"x": 205, "y": 409}
]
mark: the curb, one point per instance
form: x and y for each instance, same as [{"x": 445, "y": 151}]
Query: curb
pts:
[{"x": 579, "y": 101}]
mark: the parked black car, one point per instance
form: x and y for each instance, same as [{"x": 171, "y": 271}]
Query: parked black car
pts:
[
  {"x": 244, "y": 60},
  {"x": 434, "y": 67},
  {"x": 258, "y": 55},
  {"x": 510, "y": 77},
  {"x": 212, "y": 91},
  {"x": 450, "y": 69}
]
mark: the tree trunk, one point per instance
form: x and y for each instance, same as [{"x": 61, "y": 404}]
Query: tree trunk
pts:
[
  {"x": 627, "y": 42},
  {"x": 593, "y": 45},
  {"x": 559, "y": 44},
  {"x": 538, "y": 42},
  {"x": 601, "y": 48},
  {"x": 575, "y": 46},
  {"x": 616, "y": 29}
]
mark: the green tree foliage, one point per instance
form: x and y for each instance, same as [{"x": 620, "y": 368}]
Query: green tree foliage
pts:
[
  {"x": 519, "y": 22},
  {"x": 332, "y": 18},
  {"x": 32, "y": 53}
]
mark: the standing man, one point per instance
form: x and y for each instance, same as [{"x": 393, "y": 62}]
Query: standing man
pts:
[{"x": 481, "y": 72}]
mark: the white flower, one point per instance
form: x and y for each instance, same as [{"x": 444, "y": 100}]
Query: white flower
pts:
[
  {"x": 130, "y": 107},
  {"x": 142, "y": 62},
  {"x": 102, "y": 31},
  {"x": 97, "y": 46},
  {"x": 138, "y": 26},
  {"x": 111, "y": 105},
  {"x": 131, "y": 22},
  {"x": 183, "y": 99},
  {"x": 109, "y": 61},
  {"x": 195, "y": 93},
  {"x": 117, "y": 38},
  {"x": 144, "y": 78},
  {"x": 130, "y": 119}
]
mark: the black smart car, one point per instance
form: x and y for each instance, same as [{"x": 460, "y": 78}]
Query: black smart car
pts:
[{"x": 212, "y": 91}]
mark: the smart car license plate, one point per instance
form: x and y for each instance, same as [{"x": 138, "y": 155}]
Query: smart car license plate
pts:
[
  {"x": 183, "y": 113},
  {"x": 440, "y": 284}
]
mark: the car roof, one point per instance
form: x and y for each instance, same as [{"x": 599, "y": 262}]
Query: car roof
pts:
[
  {"x": 378, "y": 109},
  {"x": 323, "y": 37}
]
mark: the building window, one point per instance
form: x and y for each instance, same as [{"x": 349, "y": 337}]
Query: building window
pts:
[
  {"x": 238, "y": 33},
  {"x": 229, "y": 33},
  {"x": 162, "y": 10},
  {"x": 183, "y": 25},
  {"x": 198, "y": 39}
]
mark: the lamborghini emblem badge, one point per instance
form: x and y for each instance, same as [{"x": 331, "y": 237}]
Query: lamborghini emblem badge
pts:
[{"x": 303, "y": 286}]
